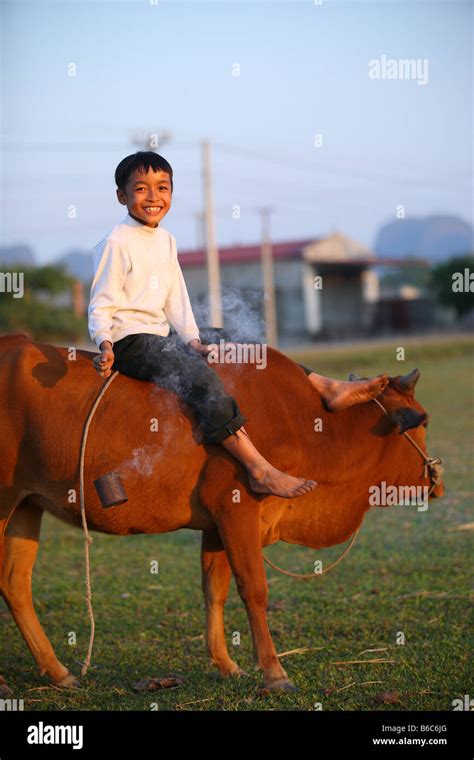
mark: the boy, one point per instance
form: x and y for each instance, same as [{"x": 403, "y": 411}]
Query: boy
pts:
[{"x": 138, "y": 289}]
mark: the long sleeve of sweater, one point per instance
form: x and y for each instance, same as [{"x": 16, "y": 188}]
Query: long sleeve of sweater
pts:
[{"x": 111, "y": 265}]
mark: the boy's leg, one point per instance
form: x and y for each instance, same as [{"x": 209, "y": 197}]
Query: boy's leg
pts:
[
  {"x": 263, "y": 477},
  {"x": 339, "y": 394}
]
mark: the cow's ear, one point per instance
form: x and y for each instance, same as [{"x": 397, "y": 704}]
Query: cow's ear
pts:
[{"x": 406, "y": 418}]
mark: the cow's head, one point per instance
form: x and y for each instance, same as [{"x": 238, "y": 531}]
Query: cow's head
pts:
[
  {"x": 405, "y": 413},
  {"x": 411, "y": 414}
]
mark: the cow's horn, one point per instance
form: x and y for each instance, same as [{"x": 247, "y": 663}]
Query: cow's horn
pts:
[{"x": 409, "y": 381}]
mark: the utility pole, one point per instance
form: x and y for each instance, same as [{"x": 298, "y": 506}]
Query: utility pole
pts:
[
  {"x": 268, "y": 279},
  {"x": 200, "y": 230},
  {"x": 212, "y": 252}
]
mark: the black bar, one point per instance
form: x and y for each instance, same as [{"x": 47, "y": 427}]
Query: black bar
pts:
[{"x": 138, "y": 734}]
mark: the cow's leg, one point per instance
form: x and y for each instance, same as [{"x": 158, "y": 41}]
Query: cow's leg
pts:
[
  {"x": 19, "y": 554},
  {"x": 9, "y": 500},
  {"x": 240, "y": 533},
  {"x": 216, "y": 574}
]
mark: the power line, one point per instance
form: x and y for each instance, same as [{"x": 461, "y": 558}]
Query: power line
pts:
[{"x": 304, "y": 165}]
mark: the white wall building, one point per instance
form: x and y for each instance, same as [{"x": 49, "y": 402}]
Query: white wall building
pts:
[{"x": 325, "y": 287}]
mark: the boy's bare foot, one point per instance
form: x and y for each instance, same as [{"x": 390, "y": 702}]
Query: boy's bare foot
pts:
[
  {"x": 263, "y": 477},
  {"x": 339, "y": 394},
  {"x": 268, "y": 479}
]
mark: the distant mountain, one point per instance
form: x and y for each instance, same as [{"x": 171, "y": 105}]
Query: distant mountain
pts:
[
  {"x": 78, "y": 264},
  {"x": 17, "y": 254},
  {"x": 433, "y": 237}
]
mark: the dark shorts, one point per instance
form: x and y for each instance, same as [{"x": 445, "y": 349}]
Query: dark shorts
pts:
[{"x": 170, "y": 363}]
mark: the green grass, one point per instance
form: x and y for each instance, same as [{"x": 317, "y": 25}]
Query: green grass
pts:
[{"x": 409, "y": 571}]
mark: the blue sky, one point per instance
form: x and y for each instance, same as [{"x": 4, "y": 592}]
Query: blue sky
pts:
[{"x": 142, "y": 66}]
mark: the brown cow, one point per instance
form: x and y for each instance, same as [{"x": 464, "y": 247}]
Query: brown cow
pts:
[{"x": 173, "y": 481}]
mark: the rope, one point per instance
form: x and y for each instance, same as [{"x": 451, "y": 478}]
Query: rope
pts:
[
  {"x": 87, "y": 536},
  {"x": 323, "y": 572}
]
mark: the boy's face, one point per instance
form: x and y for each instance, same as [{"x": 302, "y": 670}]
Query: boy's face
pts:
[{"x": 147, "y": 196}]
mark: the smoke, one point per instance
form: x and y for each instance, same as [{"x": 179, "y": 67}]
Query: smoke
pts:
[
  {"x": 242, "y": 316},
  {"x": 142, "y": 461}
]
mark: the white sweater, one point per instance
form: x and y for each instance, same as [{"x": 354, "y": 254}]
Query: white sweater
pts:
[{"x": 138, "y": 285}]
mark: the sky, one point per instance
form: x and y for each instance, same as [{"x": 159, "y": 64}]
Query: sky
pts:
[{"x": 82, "y": 81}]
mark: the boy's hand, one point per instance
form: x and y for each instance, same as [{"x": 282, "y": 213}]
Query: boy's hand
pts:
[
  {"x": 211, "y": 351},
  {"x": 201, "y": 348},
  {"x": 103, "y": 362}
]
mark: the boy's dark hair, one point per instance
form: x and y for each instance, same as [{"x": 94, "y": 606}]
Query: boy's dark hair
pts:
[{"x": 142, "y": 159}]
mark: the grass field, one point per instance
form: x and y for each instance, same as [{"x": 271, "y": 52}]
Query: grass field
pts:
[{"x": 408, "y": 572}]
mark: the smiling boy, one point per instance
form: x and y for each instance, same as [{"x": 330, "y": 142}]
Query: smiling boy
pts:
[{"x": 138, "y": 290}]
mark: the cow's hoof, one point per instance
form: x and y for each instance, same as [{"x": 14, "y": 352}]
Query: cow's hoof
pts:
[
  {"x": 282, "y": 684},
  {"x": 68, "y": 682},
  {"x": 231, "y": 670}
]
